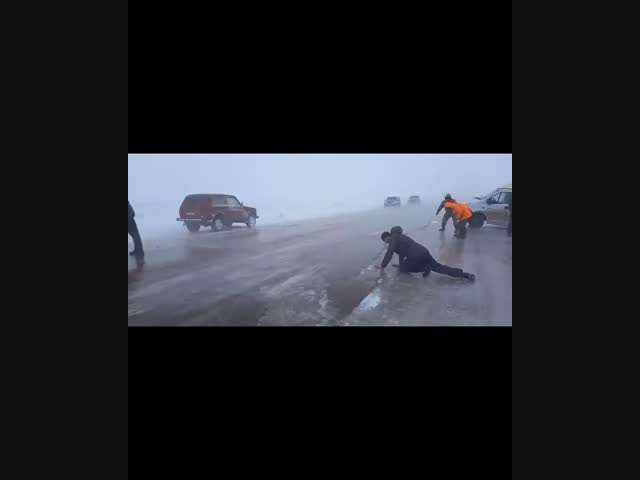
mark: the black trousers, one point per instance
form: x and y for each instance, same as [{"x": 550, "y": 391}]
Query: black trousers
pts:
[
  {"x": 446, "y": 218},
  {"x": 135, "y": 234},
  {"x": 426, "y": 264},
  {"x": 461, "y": 228}
]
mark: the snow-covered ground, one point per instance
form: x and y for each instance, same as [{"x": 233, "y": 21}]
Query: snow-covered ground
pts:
[{"x": 322, "y": 272}]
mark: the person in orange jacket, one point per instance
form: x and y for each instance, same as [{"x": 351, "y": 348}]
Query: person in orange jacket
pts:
[{"x": 461, "y": 214}]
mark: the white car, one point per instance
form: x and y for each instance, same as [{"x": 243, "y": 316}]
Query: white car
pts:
[{"x": 492, "y": 208}]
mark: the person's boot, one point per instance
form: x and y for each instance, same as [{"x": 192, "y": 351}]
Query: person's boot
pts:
[
  {"x": 441, "y": 229},
  {"x": 133, "y": 253},
  {"x": 426, "y": 273},
  {"x": 469, "y": 276},
  {"x": 139, "y": 260}
]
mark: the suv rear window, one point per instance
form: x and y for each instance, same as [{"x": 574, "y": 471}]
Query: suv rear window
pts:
[{"x": 190, "y": 202}]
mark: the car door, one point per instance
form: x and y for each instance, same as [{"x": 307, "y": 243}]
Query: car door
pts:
[
  {"x": 497, "y": 211},
  {"x": 236, "y": 211},
  {"x": 218, "y": 205}
]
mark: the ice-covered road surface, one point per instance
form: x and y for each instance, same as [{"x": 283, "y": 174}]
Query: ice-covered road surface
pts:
[{"x": 321, "y": 272}]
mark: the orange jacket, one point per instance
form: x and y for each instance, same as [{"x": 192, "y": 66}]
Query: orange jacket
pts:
[{"x": 460, "y": 211}]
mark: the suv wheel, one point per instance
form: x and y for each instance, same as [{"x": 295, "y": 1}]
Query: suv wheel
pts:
[
  {"x": 251, "y": 221},
  {"x": 217, "y": 225},
  {"x": 193, "y": 227}
]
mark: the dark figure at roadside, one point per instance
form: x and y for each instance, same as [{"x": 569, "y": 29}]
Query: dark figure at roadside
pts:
[
  {"x": 461, "y": 215},
  {"x": 447, "y": 213},
  {"x": 138, "y": 251},
  {"x": 415, "y": 258},
  {"x": 510, "y": 214}
]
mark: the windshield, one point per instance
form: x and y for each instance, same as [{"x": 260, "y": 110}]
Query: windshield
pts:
[{"x": 487, "y": 195}]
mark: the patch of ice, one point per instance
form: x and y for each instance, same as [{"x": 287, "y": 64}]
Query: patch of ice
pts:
[
  {"x": 291, "y": 284},
  {"x": 370, "y": 302},
  {"x": 324, "y": 302}
]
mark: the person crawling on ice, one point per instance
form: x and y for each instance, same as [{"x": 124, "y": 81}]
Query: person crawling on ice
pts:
[{"x": 415, "y": 258}]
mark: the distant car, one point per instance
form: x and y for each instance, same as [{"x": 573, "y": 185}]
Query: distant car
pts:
[
  {"x": 491, "y": 208},
  {"x": 392, "y": 202},
  {"x": 414, "y": 200},
  {"x": 215, "y": 210}
]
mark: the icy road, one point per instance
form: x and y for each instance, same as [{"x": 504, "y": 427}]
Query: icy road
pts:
[{"x": 320, "y": 273}]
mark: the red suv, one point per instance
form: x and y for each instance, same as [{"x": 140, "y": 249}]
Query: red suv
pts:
[{"x": 215, "y": 210}]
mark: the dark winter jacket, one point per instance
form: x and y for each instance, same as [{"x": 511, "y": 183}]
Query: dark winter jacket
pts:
[
  {"x": 405, "y": 247},
  {"x": 442, "y": 205}
]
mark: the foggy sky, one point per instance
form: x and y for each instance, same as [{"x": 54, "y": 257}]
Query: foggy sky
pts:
[{"x": 360, "y": 180}]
